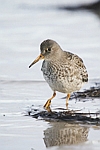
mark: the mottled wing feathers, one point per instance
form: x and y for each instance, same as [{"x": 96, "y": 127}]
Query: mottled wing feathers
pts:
[
  {"x": 78, "y": 64},
  {"x": 82, "y": 69}
]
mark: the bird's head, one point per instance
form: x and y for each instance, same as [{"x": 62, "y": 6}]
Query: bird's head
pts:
[{"x": 48, "y": 50}]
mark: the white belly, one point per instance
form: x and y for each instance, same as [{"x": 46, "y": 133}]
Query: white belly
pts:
[{"x": 62, "y": 85}]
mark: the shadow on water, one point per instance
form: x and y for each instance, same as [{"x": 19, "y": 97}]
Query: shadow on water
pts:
[
  {"x": 62, "y": 133},
  {"x": 92, "y": 7}
]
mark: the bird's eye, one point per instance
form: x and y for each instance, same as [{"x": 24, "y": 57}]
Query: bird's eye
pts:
[{"x": 49, "y": 49}]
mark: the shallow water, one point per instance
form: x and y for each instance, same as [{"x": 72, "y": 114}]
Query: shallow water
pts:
[
  {"x": 16, "y": 128},
  {"x": 23, "y": 26}
]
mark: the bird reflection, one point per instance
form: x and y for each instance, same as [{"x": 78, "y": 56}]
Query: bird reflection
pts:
[{"x": 64, "y": 133}]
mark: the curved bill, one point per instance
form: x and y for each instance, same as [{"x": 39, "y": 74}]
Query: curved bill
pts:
[{"x": 36, "y": 60}]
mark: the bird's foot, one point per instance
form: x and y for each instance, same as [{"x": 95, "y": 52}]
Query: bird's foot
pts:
[
  {"x": 47, "y": 105},
  {"x": 48, "y": 109}
]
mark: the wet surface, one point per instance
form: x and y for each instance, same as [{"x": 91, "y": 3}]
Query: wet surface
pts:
[
  {"x": 69, "y": 115},
  {"x": 24, "y": 124}
]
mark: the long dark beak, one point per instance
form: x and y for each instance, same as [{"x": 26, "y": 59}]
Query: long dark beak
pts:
[{"x": 36, "y": 60}]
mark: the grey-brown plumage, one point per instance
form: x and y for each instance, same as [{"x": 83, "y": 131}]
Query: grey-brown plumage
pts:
[{"x": 64, "y": 72}]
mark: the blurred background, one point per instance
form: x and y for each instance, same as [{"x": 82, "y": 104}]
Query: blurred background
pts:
[{"x": 24, "y": 24}]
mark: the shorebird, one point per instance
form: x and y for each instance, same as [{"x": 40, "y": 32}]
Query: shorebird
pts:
[{"x": 64, "y": 71}]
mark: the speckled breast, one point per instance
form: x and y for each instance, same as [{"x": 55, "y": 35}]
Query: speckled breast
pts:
[{"x": 60, "y": 78}]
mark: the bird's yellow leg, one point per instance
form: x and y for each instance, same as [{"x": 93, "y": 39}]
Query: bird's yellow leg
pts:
[
  {"x": 47, "y": 104},
  {"x": 67, "y": 99}
]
